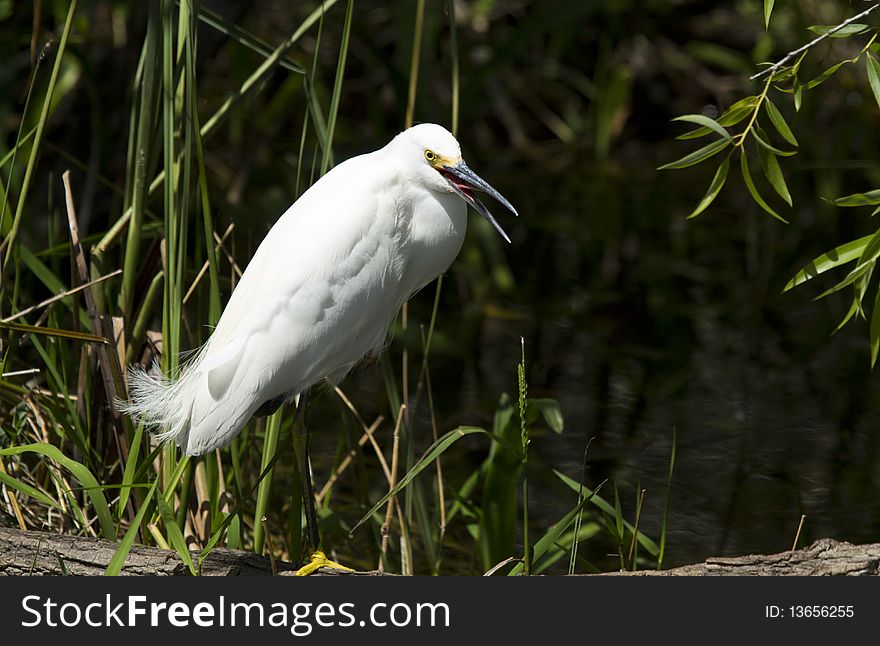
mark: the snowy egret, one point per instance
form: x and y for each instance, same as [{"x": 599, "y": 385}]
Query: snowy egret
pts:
[{"x": 320, "y": 293}]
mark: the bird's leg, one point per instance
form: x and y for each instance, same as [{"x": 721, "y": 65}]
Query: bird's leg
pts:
[
  {"x": 301, "y": 449},
  {"x": 317, "y": 559}
]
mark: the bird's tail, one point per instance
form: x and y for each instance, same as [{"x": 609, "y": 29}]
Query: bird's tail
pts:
[
  {"x": 157, "y": 400},
  {"x": 201, "y": 410}
]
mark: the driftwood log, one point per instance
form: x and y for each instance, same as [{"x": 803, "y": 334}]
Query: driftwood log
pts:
[
  {"x": 41, "y": 553},
  {"x": 825, "y": 557}
]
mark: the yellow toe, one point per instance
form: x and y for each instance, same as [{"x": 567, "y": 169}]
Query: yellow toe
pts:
[{"x": 318, "y": 560}]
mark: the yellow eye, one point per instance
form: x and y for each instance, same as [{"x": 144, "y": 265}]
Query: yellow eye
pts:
[{"x": 430, "y": 156}]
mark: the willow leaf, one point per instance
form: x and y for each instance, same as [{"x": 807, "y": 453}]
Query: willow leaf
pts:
[
  {"x": 773, "y": 173},
  {"x": 873, "y": 68},
  {"x": 870, "y": 198},
  {"x": 714, "y": 188},
  {"x": 747, "y": 178},
  {"x": 779, "y": 122},
  {"x": 835, "y": 258},
  {"x": 706, "y": 122},
  {"x": 698, "y": 155}
]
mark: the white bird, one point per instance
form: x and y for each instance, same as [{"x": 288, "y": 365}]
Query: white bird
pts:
[{"x": 321, "y": 290}]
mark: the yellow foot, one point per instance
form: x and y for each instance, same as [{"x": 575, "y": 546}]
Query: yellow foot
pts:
[{"x": 318, "y": 560}]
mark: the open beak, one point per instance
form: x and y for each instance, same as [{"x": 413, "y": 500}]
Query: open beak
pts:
[{"x": 463, "y": 180}]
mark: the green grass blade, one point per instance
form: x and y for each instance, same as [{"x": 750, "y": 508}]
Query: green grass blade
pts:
[
  {"x": 602, "y": 504},
  {"x": 52, "y": 283},
  {"x": 138, "y": 329},
  {"x": 498, "y": 507},
  {"x": 38, "y": 136},
  {"x": 577, "y": 534},
  {"x": 19, "y": 142},
  {"x": 460, "y": 497},
  {"x": 28, "y": 490},
  {"x": 524, "y": 443},
  {"x": 264, "y": 489},
  {"x": 214, "y": 305},
  {"x": 129, "y": 470},
  {"x": 550, "y": 412},
  {"x": 453, "y": 50},
  {"x": 415, "y": 58},
  {"x": 114, "y": 567},
  {"x": 216, "y": 535},
  {"x": 556, "y": 530},
  {"x": 88, "y": 481},
  {"x": 433, "y": 451},
  {"x": 337, "y": 87},
  {"x": 57, "y": 382},
  {"x": 180, "y": 468},
  {"x": 245, "y": 38},
  {"x": 6, "y": 215},
  {"x": 138, "y": 156},
  {"x": 175, "y": 536},
  {"x": 665, "y": 524},
  {"x": 252, "y": 84},
  {"x": 54, "y": 332}
]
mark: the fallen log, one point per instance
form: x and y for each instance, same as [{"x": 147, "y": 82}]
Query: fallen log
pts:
[
  {"x": 42, "y": 553},
  {"x": 825, "y": 557}
]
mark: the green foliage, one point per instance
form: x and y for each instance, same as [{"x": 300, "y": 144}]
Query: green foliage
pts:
[
  {"x": 747, "y": 108},
  {"x": 431, "y": 454},
  {"x": 662, "y": 549},
  {"x": 82, "y": 474},
  {"x": 613, "y": 514},
  {"x": 714, "y": 188},
  {"x": 852, "y": 29},
  {"x": 784, "y": 79},
  {"x": 164, "y": 134},
  {"x": 768, "y": 11},
  {"x": 553, "y": 535},
  {"x": 524, "y": 444},
  {"x": 502, "y": 471}
]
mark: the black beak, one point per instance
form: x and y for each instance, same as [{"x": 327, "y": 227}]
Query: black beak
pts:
[{"x": 462, "y": 179}]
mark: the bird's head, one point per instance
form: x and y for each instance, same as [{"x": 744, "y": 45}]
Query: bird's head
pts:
[{"x": 436, "y": 157}]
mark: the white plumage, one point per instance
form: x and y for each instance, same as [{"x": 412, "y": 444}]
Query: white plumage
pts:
[{"x": 322, "y": 288}]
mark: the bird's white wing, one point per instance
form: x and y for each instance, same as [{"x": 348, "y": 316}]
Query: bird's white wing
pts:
[
  {"x": 312, "y": 301},
  {"x": 301, "y": 256}
]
